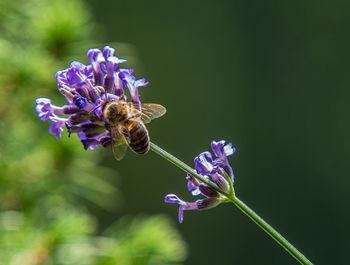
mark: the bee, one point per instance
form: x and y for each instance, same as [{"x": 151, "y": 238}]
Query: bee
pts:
[{"x": 126, "y": 124}]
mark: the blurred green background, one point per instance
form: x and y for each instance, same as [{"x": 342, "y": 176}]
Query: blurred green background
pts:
[{"x": 271, "y": 77}]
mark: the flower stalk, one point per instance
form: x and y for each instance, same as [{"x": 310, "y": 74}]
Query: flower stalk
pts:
[{"x": 230, "y": 196}]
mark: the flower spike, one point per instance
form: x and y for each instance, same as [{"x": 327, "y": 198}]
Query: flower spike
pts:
[
  {"x": 214, "y": 170},
  {"x": 86, "y": 88}
]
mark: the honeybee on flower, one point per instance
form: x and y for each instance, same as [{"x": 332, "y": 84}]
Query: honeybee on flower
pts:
[{"x": 97, "y": 109}]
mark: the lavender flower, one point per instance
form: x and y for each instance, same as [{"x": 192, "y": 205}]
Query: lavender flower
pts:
[
  {"x": 85, "y": 88},
  {"x": 216, "y": 170}
]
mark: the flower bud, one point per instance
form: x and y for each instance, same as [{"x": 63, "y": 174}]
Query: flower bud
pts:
[
  {"x": 220, "y": 181},
  {"x": 92, "y": 130},
  {"x": 78, "y": 118},
  {"x": 207, "y": 203},
  {"x": 70, "y": 109},
  {"x": 208, "y": 191}
]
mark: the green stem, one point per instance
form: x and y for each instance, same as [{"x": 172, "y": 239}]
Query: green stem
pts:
[
  {"x": 186, "y": 168},
  {"x": 271, "y": 231},
  {"x": 241, "y": 205}
]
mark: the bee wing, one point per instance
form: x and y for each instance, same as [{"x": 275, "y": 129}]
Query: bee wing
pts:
[
  {"x": 149, "y": 111},
  {"x": 119, "y": 143}
]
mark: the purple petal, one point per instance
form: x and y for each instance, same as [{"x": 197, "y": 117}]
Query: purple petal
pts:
[
  {"x": 172, "y": 198},
  {"x": 56, "y": 126},
  {"x": 127, "y": 77},
  {"x": 67, "y": 92},
  {"x": 193, "y": 189},
  {"x": 96, "y": 58},
  {"x": 88, "y": 143},
  {"x": 61, "y": 77},
  {"x": 108, "y": 54},
  {"x": 229, "y": 149},
  {"x": 91, "y": 144},
  {"x": 108, "y": 51},
  {"x": 75, "y": 75},
  {"x": 204, "y": 164},
  {"x": 141, "y": 82},
  {"x": 46, "y": 110},
  {"x": 187, "y": 206},
  {"x": 43, "y": 108},
  {"x": 221, "y": 150},
  {"x": 132, "y": 84},
  {"x": 93, "y": 92},
  {"x": 112, "y": 63},
  {"x": 193, "y": 185},
  {"x": 118, "y": 84},
  {"x": 181, "y": 213},
  {"x": 134, "y": 92},
  {"x": 226, "y": 166}
]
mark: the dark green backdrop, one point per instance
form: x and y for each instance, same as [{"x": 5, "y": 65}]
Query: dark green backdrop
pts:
[{"x": 270, "y": 76}]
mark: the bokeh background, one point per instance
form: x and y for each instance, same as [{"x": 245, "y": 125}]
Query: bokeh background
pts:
[{"x": 271, "y": 77}]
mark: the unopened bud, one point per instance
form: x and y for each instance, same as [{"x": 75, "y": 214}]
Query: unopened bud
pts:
[
  {"x": 207, "y": 203},
  {"x": 208, "y": 191},
  {"x": 220, "y": 181}
]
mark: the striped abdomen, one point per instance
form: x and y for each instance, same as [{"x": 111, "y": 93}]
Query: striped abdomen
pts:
[{"x": 139, "y": 138}]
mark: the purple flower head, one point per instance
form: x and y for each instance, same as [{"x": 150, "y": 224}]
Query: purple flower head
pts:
[
  {"x": 216, "y": 170},
  {"x": 87, "y": 88}
]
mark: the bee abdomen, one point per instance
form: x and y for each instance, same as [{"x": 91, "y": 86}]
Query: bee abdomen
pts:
[{"x": 139, "y": 138}]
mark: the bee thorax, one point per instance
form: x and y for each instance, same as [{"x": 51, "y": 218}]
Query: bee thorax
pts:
[{"x": 115, "y": 112}]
